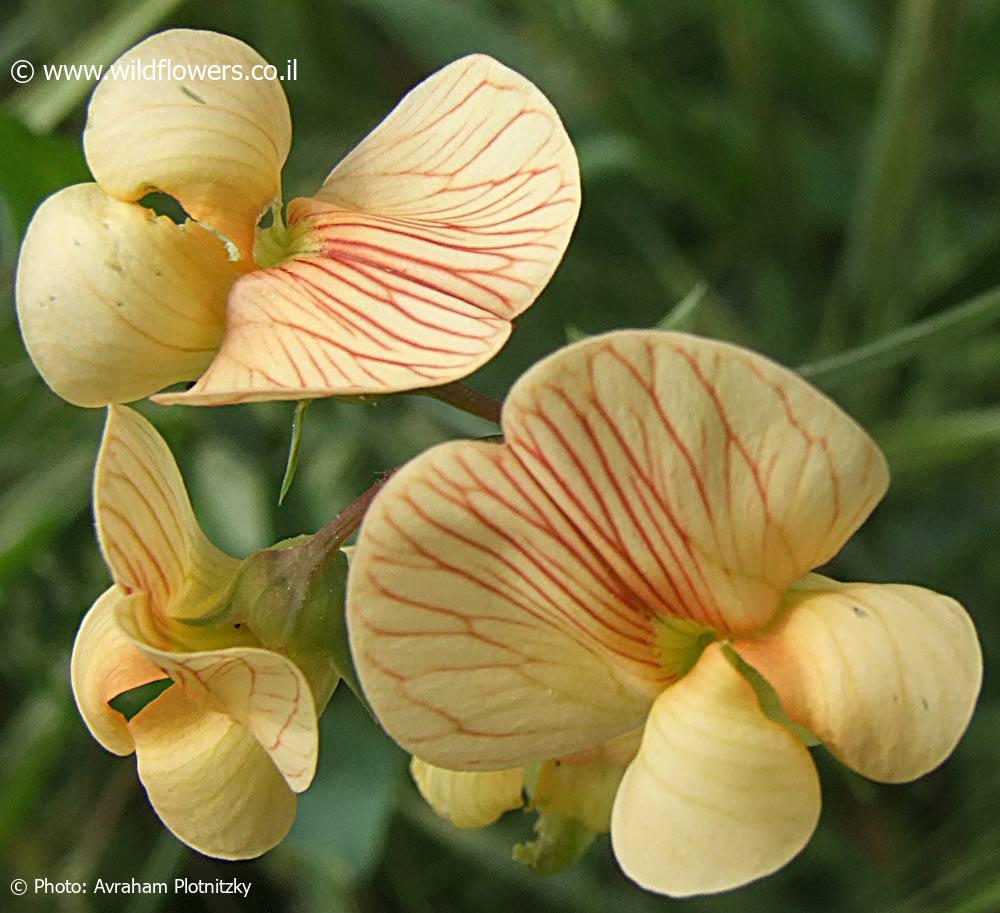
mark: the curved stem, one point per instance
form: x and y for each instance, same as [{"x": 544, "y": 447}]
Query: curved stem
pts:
[
  {"x": 468, "y": 400},
  {"x": 339, "y": 529}
]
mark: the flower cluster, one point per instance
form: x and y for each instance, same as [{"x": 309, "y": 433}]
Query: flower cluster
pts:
[{"x": 613, "y": 615}]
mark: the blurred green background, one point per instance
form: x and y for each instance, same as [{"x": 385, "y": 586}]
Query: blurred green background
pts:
[{"x": 824, "y": 172}]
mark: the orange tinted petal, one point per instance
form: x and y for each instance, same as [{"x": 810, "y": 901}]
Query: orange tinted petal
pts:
[
  {"x": 441, "y": 226},
  {"x": 105, "y": 664},
  {"x": 486, "y": 632},
  {"x": 148, "y": 532},
  {"x": 886, "y": 675},
  {"x": 709, "y": 477},
  {"x": 644, "y": 474}
]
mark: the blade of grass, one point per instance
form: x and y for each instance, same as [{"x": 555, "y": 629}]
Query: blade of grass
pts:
[
  {"x": 925, "y": 337},
  {"x": 926, "y": 441},
  {"x": 682, "y": 316},
  {"x": 874, "y": 261},
  {"x": 44, "y": 103}
]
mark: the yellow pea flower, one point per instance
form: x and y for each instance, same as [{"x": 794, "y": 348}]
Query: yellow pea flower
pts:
[
  {"x": 403, "y": 271},
  {"x": 222, "y": 751},
  {"x": 635, "y": 554}
]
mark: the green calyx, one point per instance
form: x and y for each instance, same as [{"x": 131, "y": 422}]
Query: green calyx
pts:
[
  {"x": 574, "y": 804},
  {"x": 279, "y": 242},
  {"x": 291, "y": 596},
  {"x": 560, "y": 840}
]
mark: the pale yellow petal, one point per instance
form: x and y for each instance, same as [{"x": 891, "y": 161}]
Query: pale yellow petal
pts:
[
  {"x": 262, "y": 690},
  {"x": 486, "y": 632},
  {"x": 115, "y": 303},
  {"x": 718, "y": 795},
  {"x": 105, "y": 663},
  {"x": 445, "y": 223},
  {"x": 469, "y": 798},
  {"x": 708, "y": 477},
  {"x": 209, "y": 780},
  {"x": 147, "y": 530},
  {"x": 887, "y": 675},
  {"x": 214, "y": 139}
]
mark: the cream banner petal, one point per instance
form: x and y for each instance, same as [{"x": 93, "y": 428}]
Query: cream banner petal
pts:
[{"x": 444, "y": 223}]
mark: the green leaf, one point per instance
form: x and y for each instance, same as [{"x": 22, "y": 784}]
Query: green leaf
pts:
[{"x": 293, "y": 448}]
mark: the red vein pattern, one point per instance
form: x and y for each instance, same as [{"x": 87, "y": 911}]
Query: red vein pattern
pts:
[
  {"x": 259, "y": 689},
  {"x": 442, "y": 226},
  {"x": 503, "y": 598},
  {"x": 166, "y": 568},
  {"x": 148, "y": 532}
]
